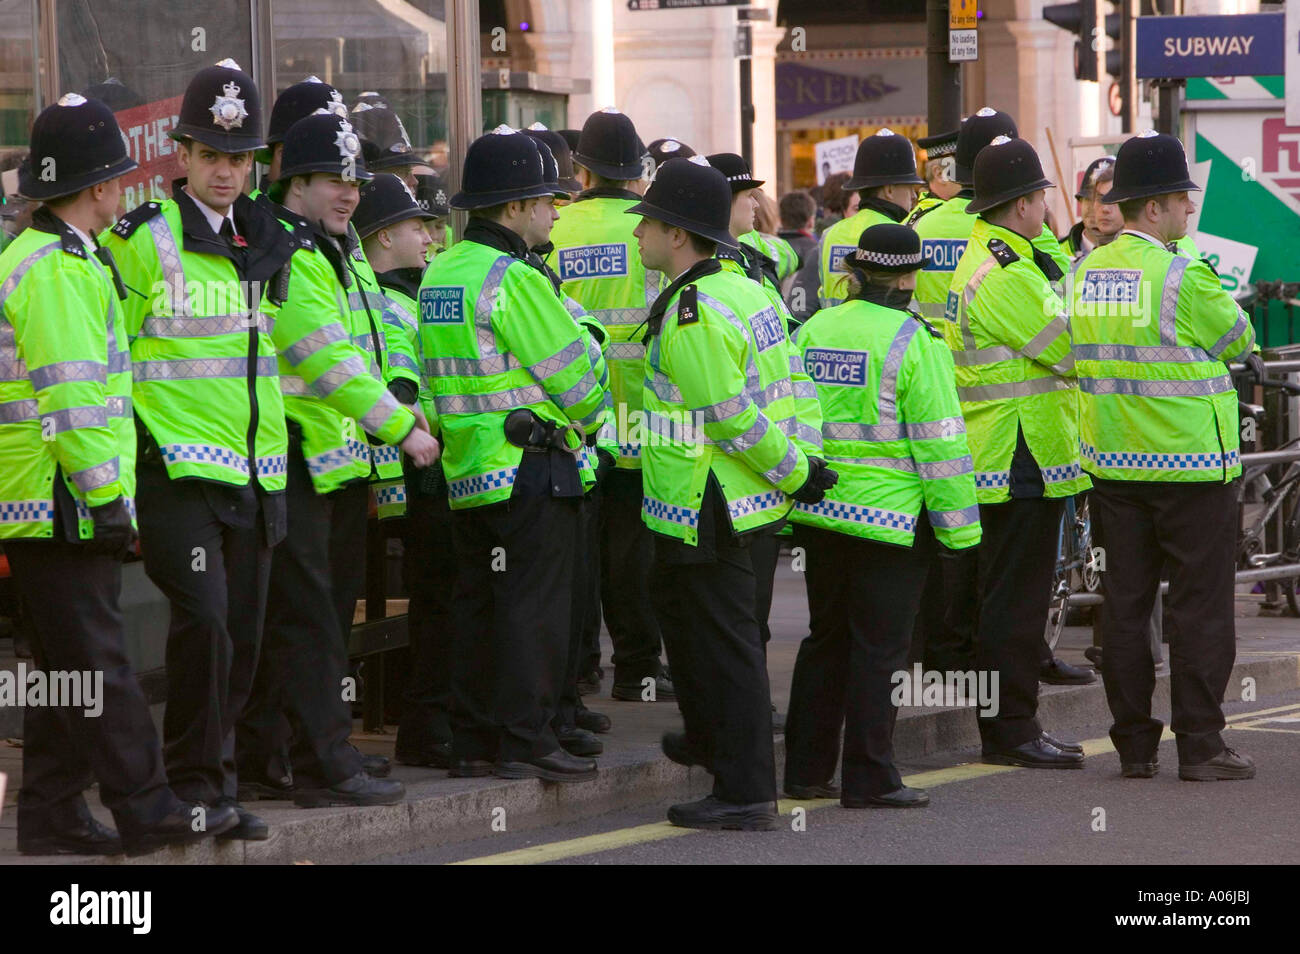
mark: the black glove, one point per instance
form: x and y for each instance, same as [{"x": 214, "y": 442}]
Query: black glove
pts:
[
  {"x": 820, "y": 479},
  {"x": 114, "y": 534},
  {"x": 404, "y": 390},
  {"x": 1256, "y": 365}
]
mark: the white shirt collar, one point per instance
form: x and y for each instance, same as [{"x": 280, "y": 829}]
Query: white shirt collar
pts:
[
  {"x": 1147, "y": 236},
  {"x": 86, "y": 239},
  {"x": 214, "y": 217}
]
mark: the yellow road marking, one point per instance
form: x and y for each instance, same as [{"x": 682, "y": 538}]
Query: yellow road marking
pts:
[
  {"x": 1255, "y": 728},
  {"x": 658, "y": 831}
]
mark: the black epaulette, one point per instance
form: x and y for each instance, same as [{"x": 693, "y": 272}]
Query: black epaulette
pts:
[
  {"x": 71, "y": 243},
  {"x": 928, "y": 327},
  {"x": 302, "y": 235},
  {"x": 1206, "y": 262},
  {"x": 920, "y": 214},
  {"x": 141, "y": 214},
  {"x": 1003, "y": 252},
  {"x": 688, "y": 306}
]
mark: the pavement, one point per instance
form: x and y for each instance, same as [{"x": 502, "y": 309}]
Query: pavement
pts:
[{"x": 446, "y": 819}]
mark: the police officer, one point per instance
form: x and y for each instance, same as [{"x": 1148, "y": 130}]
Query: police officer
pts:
[
  {"x": 515, "y": 392},
  {"x": 574, "y": 722},
  {"x": 1015, "y": 381},
  {"x": 384, "y": 141},
  {"x": 751, "y": 251},
  {"x": 297, "y": 101},
  {"x": 333, "y": 366},
  {"x": 597, "y": 261},
  {"x": 940, "y": 151},
  {"x": 1159, "y": 435},
  {"x": 392, "y": 226},
  {"x": 718, "y": 471},
  {"x": 893, "y": 430},
  {"x": 212, "y": 434},
  {"x": 431, "y": 194},
  {"x": 1082, "y": 237},
  {"x": 884, "y": 176},
  {"x": 947, "y": 622},
  {"x": 66, "y": 507}
]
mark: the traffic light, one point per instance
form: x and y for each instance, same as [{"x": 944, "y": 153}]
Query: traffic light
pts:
[
  {"x": 1111, "y": 43},
  {"x": 1080, "y": 18}
]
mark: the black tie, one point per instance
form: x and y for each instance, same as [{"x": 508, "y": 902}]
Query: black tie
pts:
[{"x": 228, "y": 235}]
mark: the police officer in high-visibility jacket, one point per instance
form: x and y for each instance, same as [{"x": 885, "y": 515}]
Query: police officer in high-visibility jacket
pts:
[
  {"x": 597, "y": 261},
  {"x": 66, "y": 499},
  {"x": 516, "y": 392},
  {"x": 1015, "y": 380},
  {"x": 1159, "y": 435},
  {"x": 718, "y": 471},
  {"x": 332, "y": 357},
  {"x": 750, "y": 253},
  {"x": 884, "y": 176},
  {"x": 213, "y": 443},
  {"x": 893, "y": 429},
  {"x": 392, "y": 226},
  {"x": 940, "y": 167}
]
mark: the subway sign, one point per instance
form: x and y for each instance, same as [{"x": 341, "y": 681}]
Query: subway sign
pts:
[{"x": 1238, "y": 44}]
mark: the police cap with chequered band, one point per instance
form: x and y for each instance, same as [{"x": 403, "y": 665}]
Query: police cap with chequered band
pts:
[
  {"x": 940, "y": 144},
  {"x": 884, "y": 159},
  {"x": 1006, "y": 169},
  {"x": 221, "y": 109},
  {"x": 1148, "y": 165},
  {"x": 690, "y": 194},
  {"x": 736, "y": 169},
  {"x": 976, "y": 132},
  {"x": 76, "y": 143},
  {"x": 888, "y": 248}
]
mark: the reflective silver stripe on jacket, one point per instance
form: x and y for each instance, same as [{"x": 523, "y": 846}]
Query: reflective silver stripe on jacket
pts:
[
  {"x": 619, "y": 316},
  {"x": 1169, "y": 300},
  {"x": 968, "y": 295},
  {"x": 1240, "y": 327},
  {"x": 314, "y": 341},
  {"x": 625, "y": 351},
  {"x": 1195, "y": 388},
  {"x": 92, "y": 478},
  {"x": 1012, "y": 389},
  {"x": 952, "y": 519},
  {"x": 1179, "y": 354},
  {"x": 188, "y": 326},
  {"x": 12, "y": 368},
  {"x": 189, "y": 368}
]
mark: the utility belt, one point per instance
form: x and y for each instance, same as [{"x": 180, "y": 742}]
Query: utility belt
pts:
[{"x": 524, "y": 428}]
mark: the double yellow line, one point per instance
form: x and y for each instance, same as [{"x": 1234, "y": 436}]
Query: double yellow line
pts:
[{"x": 659, "y": 831}]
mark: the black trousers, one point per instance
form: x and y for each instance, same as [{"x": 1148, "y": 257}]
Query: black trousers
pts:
[
  {"x": 704, "y": 598},
  {"x": 1016, "y": 560},
  {"x": 765, "y": 552},
  {"x": 588, "y": 570},
  {"x": 1192, "y": 529},
  {"x": 316, "y": 573},
  {"x": 71, "y": 597},
  {"x": 585, "y": 591},
  {"x": 511, "y": 612},
  {"x": 429, "y": 569},
  {"x": 627, "y": 551},
  {"x": 215, "y": 578},
  {"x": 863, "y": 598},
  {"x": 928, "y": 630}
]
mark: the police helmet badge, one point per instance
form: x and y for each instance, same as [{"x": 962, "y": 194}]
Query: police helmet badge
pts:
[{"x": 228, "y": 109}]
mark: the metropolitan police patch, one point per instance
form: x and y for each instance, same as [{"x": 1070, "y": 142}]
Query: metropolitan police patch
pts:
[
  {"x": 838, "y": 254},
  {"x": 1112, "y": 285},
  {"x": 944, "y": 254},
  {"x": 442, "y": 304},
  {"x": 593, "y": 261},
  {"x": 768, "y": 329},
  {"x": 827, "y": 366}
]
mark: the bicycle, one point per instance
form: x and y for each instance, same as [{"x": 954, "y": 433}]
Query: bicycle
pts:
[
  {"x": 1272, "y": 498},
  {"x": 1076, "y": 568}
]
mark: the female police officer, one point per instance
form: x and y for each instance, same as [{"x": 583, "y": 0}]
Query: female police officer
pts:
[{"x": 893, "y": 429}]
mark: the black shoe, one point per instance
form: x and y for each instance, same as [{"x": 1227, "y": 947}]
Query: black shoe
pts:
[
  {"x": 249, "y": 828},
  {"x": 633, "y": 691},
  {"x": 432, "y": 755},
  {"x": 178, "y": 828},
  {"x": 1139, "y": 769},
  {"x": 1058, "y": 672},
  {"x": 715, "y": 815},
  {"x": 376, "y": 766},
  {"x": 678, "y": 749},
  {"x": 1063, "y": 746},
  {"x": 1035, "y": 754},
  {"x": 899, "y": 798},
  {"x": 1225, "y": 766},
  {"x": 589, "y": 682},
  {"x": 469, "y": 768},
  {"x": 254, "y": 787},
  {"x": 360, "y": 789},
  {"x": 1093, "y": 655},
  {"x": 558, "y": 766},
  {"x": 577, "y": 741},
  {"x": 592, "y": 721},
  {"x": 824, "y": 790},
  {"x": 87, "y": 837}
]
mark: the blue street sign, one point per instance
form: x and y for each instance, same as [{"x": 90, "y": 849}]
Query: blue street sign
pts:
[{"x": 1238, "y": 44}]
